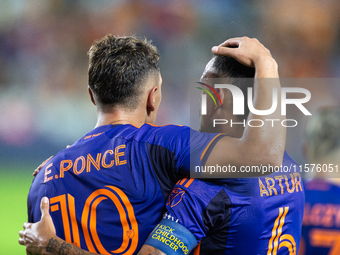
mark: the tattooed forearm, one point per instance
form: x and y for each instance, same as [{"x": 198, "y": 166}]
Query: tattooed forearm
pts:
[
  {"x": 52, "y": 245},
  {"x": 149, "y": 250},
  {"x": 57, "y": 246}
]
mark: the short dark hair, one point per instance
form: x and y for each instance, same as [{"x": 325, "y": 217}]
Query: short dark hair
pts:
[
  {"x": 235, "y": 73},
  {"x": 118, "y": 67},
  {"x": 228, "y": 67}
]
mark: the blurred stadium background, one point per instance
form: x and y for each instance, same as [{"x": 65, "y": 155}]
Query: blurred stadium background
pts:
[{"x": 44, "y": 104}]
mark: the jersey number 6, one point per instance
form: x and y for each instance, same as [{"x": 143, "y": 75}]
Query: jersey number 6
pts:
[{"x": 277, "y": 241}]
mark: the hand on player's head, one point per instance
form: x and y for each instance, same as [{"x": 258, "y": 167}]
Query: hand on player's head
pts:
[
  {"x": 247, "y": 51},
  {"x": 36, "y": 236}
]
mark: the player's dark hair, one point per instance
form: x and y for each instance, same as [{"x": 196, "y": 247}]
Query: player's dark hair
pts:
[
  {"x": 118, "y": 68},
  {"x": 235, "y": 73}
]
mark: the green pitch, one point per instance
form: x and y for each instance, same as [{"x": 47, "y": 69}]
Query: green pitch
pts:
[{"x": 14, "y": 186}]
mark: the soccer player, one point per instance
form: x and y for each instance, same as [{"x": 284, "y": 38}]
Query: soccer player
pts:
[
  {"x": 321, "y": 221},
  {"x": 108, "y": 190},
  {"x": 243, "y": 215}
]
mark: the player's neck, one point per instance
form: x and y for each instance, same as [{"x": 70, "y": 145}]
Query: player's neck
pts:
[{"x": 120, "y": 117}]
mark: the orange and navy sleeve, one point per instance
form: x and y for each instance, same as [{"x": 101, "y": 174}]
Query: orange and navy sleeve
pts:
[
  {"x": 201, "y": 207},
  {"x": 201, "y": 145}
]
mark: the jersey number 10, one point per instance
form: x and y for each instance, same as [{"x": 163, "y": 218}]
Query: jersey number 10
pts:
[{"x": 66, "y": 205}]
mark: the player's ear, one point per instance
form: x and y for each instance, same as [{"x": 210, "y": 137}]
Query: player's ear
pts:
[
  {"x": 151, "y": 105},
  {"x": 91, "y": 95},
  {"x": 221, "y": 93}
]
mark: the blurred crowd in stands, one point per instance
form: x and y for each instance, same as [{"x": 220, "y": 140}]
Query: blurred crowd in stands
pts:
[{"x": 44, "y": 103}]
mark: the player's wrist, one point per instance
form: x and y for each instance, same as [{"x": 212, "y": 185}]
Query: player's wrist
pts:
[
  {"x": 265, "y": 61},
  {"x": 266, "y": 67}
]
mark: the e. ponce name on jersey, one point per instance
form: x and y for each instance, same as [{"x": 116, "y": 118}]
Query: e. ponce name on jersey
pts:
[{"x": 78, "y": 166}]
